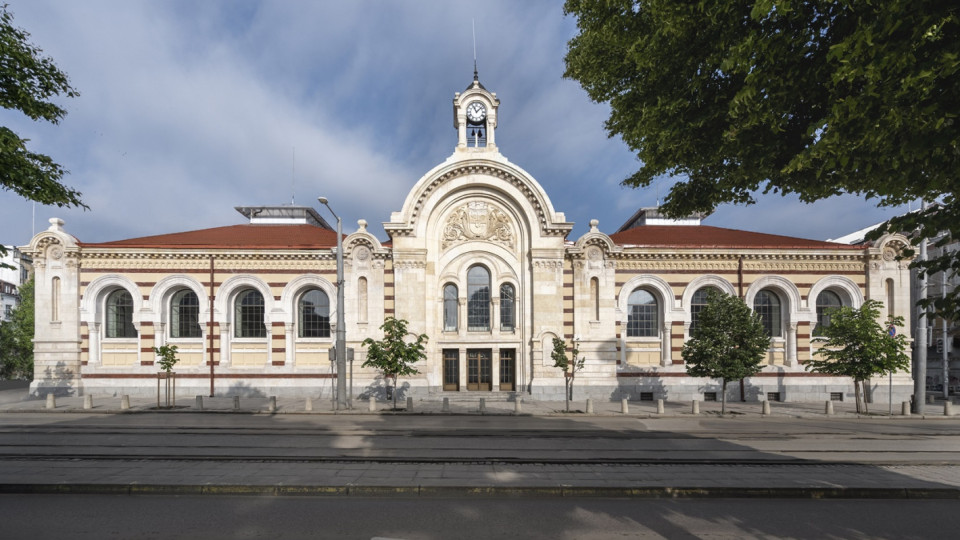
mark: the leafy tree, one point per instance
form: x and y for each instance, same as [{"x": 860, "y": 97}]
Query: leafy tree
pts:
[
  {"x": 394, "y": 355},
  {"x": 812, "y": 97},
  {"x": 856, "y": 345},
  {"x": 27, "y": 82},
  {"x": 569, "y": 367},
  {"x": 728, "y": 343},
  {"x": 16, "y": 338},
  {"x": 168, "y": 357}
]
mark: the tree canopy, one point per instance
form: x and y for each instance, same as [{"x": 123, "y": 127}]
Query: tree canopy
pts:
[
  {"x": 395, "y": 354},
  {"x": 728, "y": 342},
  {"x": 16, "y": 338},
  {"x": 28, "y": 81},
  {"x": 811, "y": 97}
]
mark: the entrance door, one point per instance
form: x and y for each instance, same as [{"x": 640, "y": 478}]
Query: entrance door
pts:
[
  {"x": 508, "y": 369},
  {"x": 479, "y": 368},
  {"x": 451, "y": 369}
]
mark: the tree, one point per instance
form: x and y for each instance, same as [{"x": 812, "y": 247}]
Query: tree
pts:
[
  {"x": 16, "y": 338},
  {"x": 855, "y": 345},
  {"x": 168, "y": 357},
  {"x": 812, "y": 97},
  {"x": 27, "y": 82},
  {"x": 728, "y": 343},
  {"x": 569, "y": 367},
  {"x": 394, "y": 355}
]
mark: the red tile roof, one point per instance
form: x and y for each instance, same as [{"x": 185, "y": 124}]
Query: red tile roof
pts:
[
  {"x": 704, "y": 236},
  {"x": 245, "y": 236}
]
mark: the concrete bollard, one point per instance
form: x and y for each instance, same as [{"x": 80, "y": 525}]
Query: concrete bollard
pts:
[
  {"x": 308, "y": 404},
  {"x": 660, "y": 408},
  {"x": 124, "y": 402},
  {"x": 516, "y": 406},
  {"x": 88, "y": 401},
  {"x": 483, "y": 405},
  {"x": 446, "y": 404},
  {"x": 828, "y": 408},
  {"x": 51, "y": 401},
  {"x": 589, "y": 406},
  {"x": 930, "y": 399},
  {"x": 947, "y": 408},
  {"x": 766, "y": 408},
  {"x": 272, "y": 405},
  {"x": 373, "y": 404},
  {"x": 695, "y": 408},
  {"x": 199, "y": 405},
  {"x": 236, "y": 403},
  {"x": 624, "y": 406},
  {"x": 409, "y": 404},
  {"x": 905, "y": 408}
]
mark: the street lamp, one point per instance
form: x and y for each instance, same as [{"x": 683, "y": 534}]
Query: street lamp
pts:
[{"x": 341, "y": 343}]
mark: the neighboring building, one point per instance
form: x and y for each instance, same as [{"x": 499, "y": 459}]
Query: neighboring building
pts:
[
  {"x": 11, "y": 279},
  {"x": 478, "y": 259}
]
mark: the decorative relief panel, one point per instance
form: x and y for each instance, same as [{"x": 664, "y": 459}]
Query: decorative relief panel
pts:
[{"x": 477, "y": 220}]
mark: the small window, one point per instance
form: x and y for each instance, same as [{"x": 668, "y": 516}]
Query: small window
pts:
[
  {"x": 507, "y": 308},
  {"x": 827, "y": 301},
  {"x": 767, "y": 304},
  {"x": 248, "y": 315},
  {"x": 773, "y": 396},
  {"x": 709, "y": 396},
  {"x": 313, "y": 312},
  {"x": 450, "y": 305},
  {"x": 643, "y": 314},
  {"x": 120, "y": 315},
  {"x": 646, "y": 396},
  {"x": 836, "y": 396},
  {"x": 185, "y": 315},
  {"x": 595, "y": 297}
]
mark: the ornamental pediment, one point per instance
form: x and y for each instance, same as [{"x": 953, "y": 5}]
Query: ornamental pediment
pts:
[{"x": 478, "y": 220}]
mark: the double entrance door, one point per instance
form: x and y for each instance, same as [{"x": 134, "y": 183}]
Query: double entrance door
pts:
[{"x": 480, "y": 369}]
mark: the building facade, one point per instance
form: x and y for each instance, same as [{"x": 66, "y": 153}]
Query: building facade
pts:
[
  {"x": 15, "y": 269},
  {"x": 479, "y": 260}
]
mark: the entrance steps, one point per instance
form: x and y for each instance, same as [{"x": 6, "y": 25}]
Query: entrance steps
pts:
[{"x": 474, "y": 397}]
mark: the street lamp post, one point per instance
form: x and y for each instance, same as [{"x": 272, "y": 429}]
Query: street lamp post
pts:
[{"x": 341, "y": 342}]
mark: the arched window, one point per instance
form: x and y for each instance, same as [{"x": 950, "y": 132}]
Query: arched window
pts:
[
  {"x": 362, "y": 299},
  {"x": 826, "y": 301},
  {"x": 55, "y": 299},
  {"x": 643, "y": 314},
  {"x": 767, "y": 304},
  {"x": 313, "y": 312},
  {"x": 890, "y": 306},
  {"x": 697, "y": 303},
  {"x": 595, "y": 297},
  {"x": 507, "y": 308},
  {"x": 185, "y": 315},
  {"x": 478, "y": 299},
  {"x": 120, "y": 315},
  {"x": 450, "y": 305},
  {"x": 248, "y": 311}
]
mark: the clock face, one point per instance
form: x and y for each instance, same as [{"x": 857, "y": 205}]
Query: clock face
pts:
[{"x": 476, "y": 112}]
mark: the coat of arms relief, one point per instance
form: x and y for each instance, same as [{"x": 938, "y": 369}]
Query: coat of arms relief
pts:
[{"x": 477, "y": 220}]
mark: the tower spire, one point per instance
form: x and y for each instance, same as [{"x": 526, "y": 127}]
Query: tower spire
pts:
[{"x": 473, "y": 23}]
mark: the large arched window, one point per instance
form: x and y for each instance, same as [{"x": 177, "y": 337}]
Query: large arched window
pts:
[
  {"x": 507, "y": 308},
  {"x": 698, "y": 302},
  {"x": 185, "y": 315},
  {"x": 248, "y": 311},
  {"x": 826, "y": 301},
  {"x": 120, "y": 315},
  {"x": 478, "y": 299},
  {"x": 767, "y": 304},
  {"x": 450, "y": 305},
  {"x": 643, "y": 314},
  {"x": 313, "y": 314}
]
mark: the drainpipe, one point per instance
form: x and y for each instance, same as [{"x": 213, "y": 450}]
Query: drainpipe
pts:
[{"x": 211, "y": 326}]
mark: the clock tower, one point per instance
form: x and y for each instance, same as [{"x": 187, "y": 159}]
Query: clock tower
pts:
[{"x": 475, "y": 117}]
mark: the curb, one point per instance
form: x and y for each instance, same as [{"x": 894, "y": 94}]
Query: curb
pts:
[{"x": 488, "y": 491}]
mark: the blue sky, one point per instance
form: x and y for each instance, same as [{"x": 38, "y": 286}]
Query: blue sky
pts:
[{"x": 188, "y": 109}]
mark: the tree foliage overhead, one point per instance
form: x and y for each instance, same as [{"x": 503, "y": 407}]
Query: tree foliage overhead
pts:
[
  {"x": 812, "y": 97},
  {"x": 728, "y": 343},
  {"x": 28, "y": 81},
  {"x": 16, "y": 337}
]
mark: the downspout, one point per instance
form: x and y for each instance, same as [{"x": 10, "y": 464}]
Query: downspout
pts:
[
  {"x": 210, "y": 333},
  {"x": 740, "y": 276}
]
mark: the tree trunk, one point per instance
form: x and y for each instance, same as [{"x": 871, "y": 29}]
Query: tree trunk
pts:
[
  {"x": 394, "y": 392},
  {"x": 856, "y": 392},
  {"x": 566, "y": 390},
  {"x": 866, "y": 404},
  {"x": 743, "y": 394},
  {"x": 723, "y": 398}
]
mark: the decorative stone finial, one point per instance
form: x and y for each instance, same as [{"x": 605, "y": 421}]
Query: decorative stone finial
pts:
[
  {"x": 56, "y": 224},
  {"x": 362, "y": 223},
  {"x": 593, "y": 225}
]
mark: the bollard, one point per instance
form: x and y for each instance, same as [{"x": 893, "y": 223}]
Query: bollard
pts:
[
  {"x": 695, "y": 407},
  {"x": 51, "y": 401},
  {"x": 272, "y": 405},
  {"x": 124, "y": 402},
  {"x": 199, "y": 404},
  {"x": 930, "y": 399},
  {"x": 409, "y": 404},
  {"x": 624, "y": 406},
  {"x": 766, "y": 408},
  {"x": 828, "y": 408},
  {"x": 589, "y": 406},
  {"x": 236, "y": 403},
  {"x": 88, "y": 401},
  {"x": 308, "y": 405},
  {"x": 483, "y": 405},
  {"x": 373, "y": 404},
  {"x": 446, "y": 404},
  {"x": 947, "y": 408},
  {"x": 516, "y": 406},
  {"x": 905, "y": 408},
  {"x": 660, "y": 408}
]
